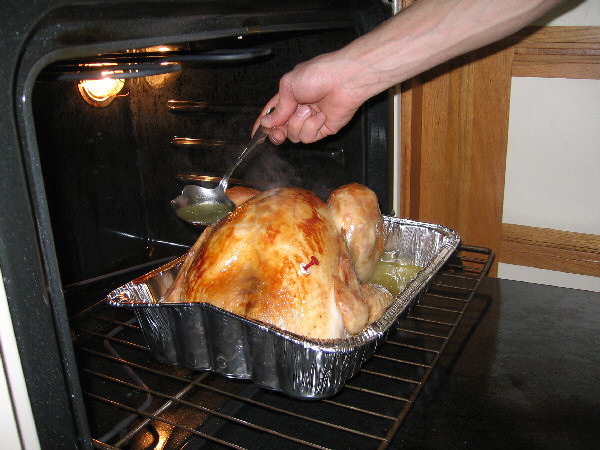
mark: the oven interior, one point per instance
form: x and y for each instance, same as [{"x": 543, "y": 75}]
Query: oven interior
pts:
[
  {"x": 111, "y": 171},
  {"x": 194, "y": 82}
]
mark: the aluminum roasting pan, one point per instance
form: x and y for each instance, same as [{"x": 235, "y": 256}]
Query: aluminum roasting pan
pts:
[{"x": 202, "y": 337}]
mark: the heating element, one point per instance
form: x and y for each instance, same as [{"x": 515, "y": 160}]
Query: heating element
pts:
[{"x": 133, "y": 401}]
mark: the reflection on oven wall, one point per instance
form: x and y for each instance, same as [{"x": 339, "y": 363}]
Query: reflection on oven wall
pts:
[{"x": 111, "y": 170}]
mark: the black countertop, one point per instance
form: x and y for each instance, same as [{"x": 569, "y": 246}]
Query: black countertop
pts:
[{"x": 523, "y": 372}]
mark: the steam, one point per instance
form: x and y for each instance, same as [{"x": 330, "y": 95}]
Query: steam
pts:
[
  {"x": 269, "y": 170},
  {"x": 279, "y": 166}
]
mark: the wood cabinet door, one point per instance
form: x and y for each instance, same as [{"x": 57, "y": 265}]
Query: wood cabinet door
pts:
[{"x": 454, "y": 136}]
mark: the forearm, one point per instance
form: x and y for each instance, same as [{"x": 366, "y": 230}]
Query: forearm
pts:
[
  {"x": 428, "y": 33},
  {"x": 320, "y": 96}
]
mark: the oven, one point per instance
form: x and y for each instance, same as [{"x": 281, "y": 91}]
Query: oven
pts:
[{"x": 87, "y": 178}]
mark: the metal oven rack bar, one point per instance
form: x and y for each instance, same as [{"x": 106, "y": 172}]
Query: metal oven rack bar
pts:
[{"x": 135, "y": 402}]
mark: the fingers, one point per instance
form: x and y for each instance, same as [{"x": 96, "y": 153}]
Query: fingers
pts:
[
  {"x": 314, "y": 128},
  {"x": 306, "y": 125},
  {"x": 296, "y": 121},
  {"x": 291, "y": 120},
  {"x": 270, "y": 104},
  {"x": 276, "y": 119},
  {"x": 277, "y": 136},
  {"x": 285, "y": 104}
]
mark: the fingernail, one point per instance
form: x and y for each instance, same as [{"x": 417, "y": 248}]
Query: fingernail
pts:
[
  {"x": 304, "y": 111},
  {"x": 266, "y": 120}
]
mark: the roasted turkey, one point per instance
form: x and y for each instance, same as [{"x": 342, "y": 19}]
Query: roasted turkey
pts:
[{"x": 286, "y": 258}]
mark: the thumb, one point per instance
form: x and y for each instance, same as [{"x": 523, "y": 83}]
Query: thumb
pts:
[{"x": 284, "y": 108}]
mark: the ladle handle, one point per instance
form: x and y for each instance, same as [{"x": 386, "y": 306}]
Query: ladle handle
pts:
[{"x": 259, "y": 137}]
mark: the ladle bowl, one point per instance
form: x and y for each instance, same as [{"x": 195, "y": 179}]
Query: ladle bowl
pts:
[{"x": 206, "y": 206}]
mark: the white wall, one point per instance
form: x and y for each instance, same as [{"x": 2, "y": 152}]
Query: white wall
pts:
[
  {"x": 553, "y": 157},
  {"x": 574, "y": 13}
]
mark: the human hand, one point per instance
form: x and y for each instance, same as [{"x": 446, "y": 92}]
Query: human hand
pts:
[{"x": 314, "y": 101}]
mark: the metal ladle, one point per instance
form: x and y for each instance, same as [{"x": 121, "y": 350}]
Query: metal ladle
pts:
[{"x": 206, "y": 206}]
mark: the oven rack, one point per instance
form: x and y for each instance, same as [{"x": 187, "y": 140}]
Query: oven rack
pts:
[
  {"x": 133, "y": 401},
  {"x": 136, "y": 64}
]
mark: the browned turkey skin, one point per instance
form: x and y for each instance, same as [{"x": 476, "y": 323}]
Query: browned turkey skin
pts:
[{"x": 286, "y": 258}]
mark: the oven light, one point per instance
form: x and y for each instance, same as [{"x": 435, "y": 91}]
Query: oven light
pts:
[{"x": 100, "y": 92}]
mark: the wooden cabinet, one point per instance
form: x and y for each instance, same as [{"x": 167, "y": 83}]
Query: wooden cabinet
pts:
[{"x": 454, "y": 133}]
